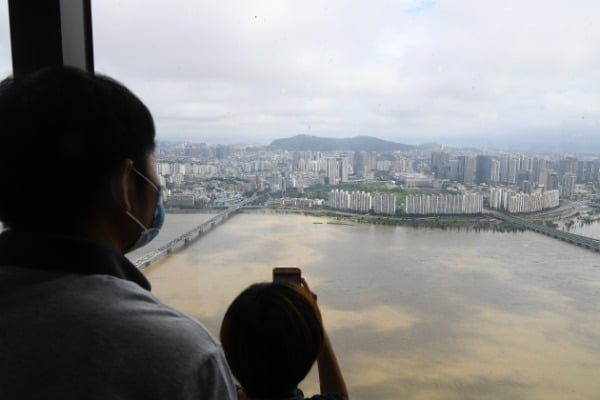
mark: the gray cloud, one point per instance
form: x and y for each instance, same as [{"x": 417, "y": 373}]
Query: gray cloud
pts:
[{"x": 407, "y": 70}]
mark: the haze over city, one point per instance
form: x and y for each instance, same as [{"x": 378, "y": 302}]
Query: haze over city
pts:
[{"x": 524, "y": 75}]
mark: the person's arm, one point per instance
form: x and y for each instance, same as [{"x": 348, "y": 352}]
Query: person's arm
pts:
[{"x": 330, "y": 375}]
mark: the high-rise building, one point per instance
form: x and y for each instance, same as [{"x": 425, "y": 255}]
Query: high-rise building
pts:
[
  {"x": 509, "y": 166},
  {"x": 343, "y": 164},
  {"x": 515, "y": 202},
  {"x": 568, "y": 185},
  {"x": 567, "y": 166},
  {"x": 495, "y": 172},
  {"x": 360, "y": 163},
  {"x": 384, "y": 204},
  {"x": 336, "y": 170},
  {"x": 370, "y": 161},
  {"x": 332, "y": 170},
  {"x": 383, "y": 165},
  {"x": 483, "y": 169},
  {"x": 423, "y": 204},
  {"x": 526, "y": 163},
  {"x": 440, "y": 164},
  {"x": 586, "y": 171},
  {"x": 466, "y": 170},
  {"x": 513, "y": 167},
  {"x": 353, "y": 201},
  {"x": 542, "y": 178},
  {"x": 222, "y": 151},
  {"x": 401, "y": 165},
  {"x": 453, "y": 174},
  {"x": 553, "y": 182},
  {"x": 504, "y": 169},
  {"x": 539, "y": 164},
  {"x": 524, "y": 175},
  {"x": 526, "y": 186}
]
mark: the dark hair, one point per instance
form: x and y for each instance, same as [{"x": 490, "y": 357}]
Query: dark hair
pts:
[
  {"x": 63, "y": 134},
  {"x": 271, "y": 335}
]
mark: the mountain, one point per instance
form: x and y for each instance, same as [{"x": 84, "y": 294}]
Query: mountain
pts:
[{"x": 358, "y": 143}]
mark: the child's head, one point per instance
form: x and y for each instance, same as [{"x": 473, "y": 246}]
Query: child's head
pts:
[{"x": 272, "y": 334}]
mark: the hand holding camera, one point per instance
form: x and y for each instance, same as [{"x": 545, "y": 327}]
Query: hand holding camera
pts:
[{"x": 291, "y": 275}]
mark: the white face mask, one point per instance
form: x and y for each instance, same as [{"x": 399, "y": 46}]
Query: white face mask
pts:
[{"x": 147, "y": 234}]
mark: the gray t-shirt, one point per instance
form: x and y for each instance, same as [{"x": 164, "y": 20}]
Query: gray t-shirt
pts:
[{"x": 98, "y": 336}]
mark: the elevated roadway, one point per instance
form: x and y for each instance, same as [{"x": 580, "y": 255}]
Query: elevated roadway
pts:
[
  {"x": 578, "y": 240},
  {"x": 190, "y": 236}
]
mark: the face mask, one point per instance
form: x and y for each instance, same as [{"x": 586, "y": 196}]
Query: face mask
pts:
[{"x": 150, "y": 233}]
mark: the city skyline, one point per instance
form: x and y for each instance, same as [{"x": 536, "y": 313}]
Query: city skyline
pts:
[{"x": 191, "y": 169}]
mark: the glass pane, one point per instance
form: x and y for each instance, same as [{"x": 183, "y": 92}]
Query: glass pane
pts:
[
  {"x": 477, "y": 113},
  {"x": 5, "y": 56}
]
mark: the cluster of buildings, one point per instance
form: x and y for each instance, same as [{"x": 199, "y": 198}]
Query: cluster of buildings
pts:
[
  {"x": 444, "y": 204},
  {"x": 362, "y": 202},
  {"x": 302, "y": 202},
  {"x": 336, "y": 170},
  {"x": 526, "y": 171},
  {"x": 204, "y": 175},
  {"x": 361, "y": 165},
  {"x": 188, "y": 171},
  {"x": 514, "y": 202}
]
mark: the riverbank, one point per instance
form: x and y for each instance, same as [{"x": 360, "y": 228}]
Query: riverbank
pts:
[
  {"x": 175, "y": 210},
  {"x": 453, "y": 222},
  {"x": 485, "y": 223}
]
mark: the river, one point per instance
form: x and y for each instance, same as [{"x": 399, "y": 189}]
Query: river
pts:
[
  {"x": 590, "y": 230},
  {"x": 414, "y": 313}
]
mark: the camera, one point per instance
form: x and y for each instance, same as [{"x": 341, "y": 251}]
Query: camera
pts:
[{"x": 287, "y": 275}]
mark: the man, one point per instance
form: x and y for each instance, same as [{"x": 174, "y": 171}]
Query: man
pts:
[{"x": 78, "y": 190}]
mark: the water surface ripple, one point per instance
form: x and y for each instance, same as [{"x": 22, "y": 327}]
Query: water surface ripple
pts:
[{"x": 416, "y": 313}]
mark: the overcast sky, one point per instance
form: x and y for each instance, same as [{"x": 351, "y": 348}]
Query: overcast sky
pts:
[{"x": 412, "y": 71}]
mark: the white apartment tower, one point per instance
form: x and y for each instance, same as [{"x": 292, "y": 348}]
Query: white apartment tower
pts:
[
  {"x": 331, "y": 169},
  {"x": 514, "y": 202},
  {"x": 469, "y": 203},
  {"x": 384, "y": 204}
]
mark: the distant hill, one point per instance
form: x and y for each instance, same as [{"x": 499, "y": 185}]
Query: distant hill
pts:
[{"x": 358, "y": 143}]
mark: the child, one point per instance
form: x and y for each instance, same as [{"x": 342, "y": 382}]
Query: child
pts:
[{"x": 272, "y": 334}]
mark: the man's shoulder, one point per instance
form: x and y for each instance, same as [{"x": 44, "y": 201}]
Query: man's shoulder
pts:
[
  {"x": 106, "y": 305},
  {"x": 115, "y": 301},
  {"x": 158, "y": 337},
  {"x": 105, "y": 333}
]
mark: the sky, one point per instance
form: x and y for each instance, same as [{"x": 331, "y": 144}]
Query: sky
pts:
[{"x": 456, "y": 72}]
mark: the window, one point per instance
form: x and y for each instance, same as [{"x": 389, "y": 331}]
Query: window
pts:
[{"x": 486, "y": 109}]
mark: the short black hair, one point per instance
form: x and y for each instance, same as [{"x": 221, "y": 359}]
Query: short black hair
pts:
[
  {"x": 272, "y": 334},
  {"x": 63, "y": 134}
]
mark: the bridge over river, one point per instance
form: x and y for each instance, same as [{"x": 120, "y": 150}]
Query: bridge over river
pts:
[
  {"x": 192, "y": 235},
  {"x": 189, "y": 236},
  {"x": 579, "y": 240}
]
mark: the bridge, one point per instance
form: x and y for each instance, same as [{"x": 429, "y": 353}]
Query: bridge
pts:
[
  {"x": 578, "y": 240},
  {"x": 190, "y": 236}
]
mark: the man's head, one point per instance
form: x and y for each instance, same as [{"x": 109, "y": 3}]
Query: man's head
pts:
[
  {"x": 65, "y": 135},
  {"x": 271, "y": 335}
]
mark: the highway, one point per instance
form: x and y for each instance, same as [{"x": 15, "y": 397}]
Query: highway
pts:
[
  {"x": 579, "y": 240},
  {"x": 190, "y": 236}
]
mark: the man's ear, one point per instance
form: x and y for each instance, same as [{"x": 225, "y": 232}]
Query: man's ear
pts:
[{"x": 123, "y": 184}]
